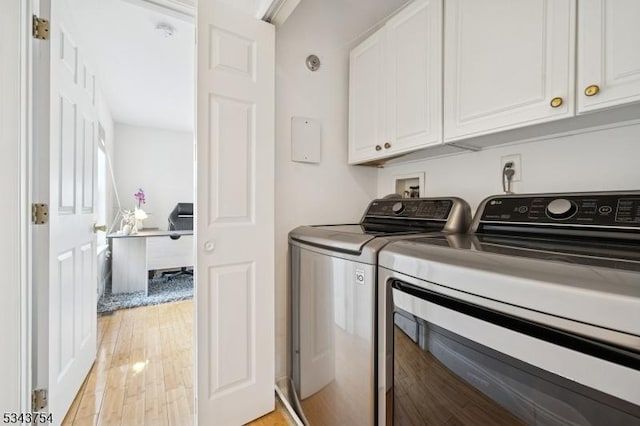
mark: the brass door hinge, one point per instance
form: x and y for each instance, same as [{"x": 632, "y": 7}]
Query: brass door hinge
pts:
[
  {"x": 39, "y": 399},
  {"x": 40, "y": 28},
  {"x": 39, "y": 213}
]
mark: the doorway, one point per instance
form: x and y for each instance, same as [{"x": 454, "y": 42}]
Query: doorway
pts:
[
  {"x": 126, "y": 137},
  {"x": 234, "y": 153}
]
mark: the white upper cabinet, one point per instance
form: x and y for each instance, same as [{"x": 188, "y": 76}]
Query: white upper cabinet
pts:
[
  {"x": 608, "y": 53},
  {"x": 395, "y": 95},
  {"x": 414, "y": 77},
  {"x": 508, "y": 64},
  {"x": 366, "y": 105}
]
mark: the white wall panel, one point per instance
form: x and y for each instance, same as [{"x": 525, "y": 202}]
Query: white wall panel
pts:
[
  {"x": 233, "y": 53},
  {"x": 86, "y": 293},
  {"x": 234, "y": 354},
  {"x": 232, "y": 155},
  {"x": 69, "y": 55},
  {"x": 88, "y": 163},
  {"x": 63, "y": 317},
  {"x": 68, "y": 156}
]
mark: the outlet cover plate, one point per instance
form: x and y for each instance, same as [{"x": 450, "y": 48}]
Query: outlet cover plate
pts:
[{"x": 517, "y": 165}]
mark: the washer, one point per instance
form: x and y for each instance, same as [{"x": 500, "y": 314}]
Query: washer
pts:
[
  {"x": 333, "y": 284},
  {"x": 532, "y": 318}
]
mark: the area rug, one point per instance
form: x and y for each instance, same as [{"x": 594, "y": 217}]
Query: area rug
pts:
[{"x": 161, "y": 290}]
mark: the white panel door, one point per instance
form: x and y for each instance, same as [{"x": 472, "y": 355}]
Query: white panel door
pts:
[
  {"x": 504, "y": 63},
  {"x": 414, "y": 77},
  {"x": 366, "y": 96},
  {"x": 235, "y": 216},
  {"x": 608, "y": 53},
  {"x": 66, "y": 281}
]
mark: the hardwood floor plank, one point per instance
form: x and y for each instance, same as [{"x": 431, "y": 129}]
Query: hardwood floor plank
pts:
[
  {"x": 133, "y": 412},
  {"x": 112, "y": 407},
  {"x": 143, "y": 374},
  {"x": 178, "y": 408},
  {"x": 91, "y": 403},
  {"x": 86, "y": 421}
]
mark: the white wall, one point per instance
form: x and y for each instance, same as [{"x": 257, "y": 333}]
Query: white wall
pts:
[
  {"x": 11, "y": 210},
  {"x": 592, "y": 161},
  {"x": 158, "y": 161},
  {"x": 332, "y": 191}
]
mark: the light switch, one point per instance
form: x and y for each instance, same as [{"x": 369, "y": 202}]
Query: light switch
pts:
[{"x": 306, "y": 139}]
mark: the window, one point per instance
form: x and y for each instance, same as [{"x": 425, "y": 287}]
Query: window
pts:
[{"x": 101, "y": 202}]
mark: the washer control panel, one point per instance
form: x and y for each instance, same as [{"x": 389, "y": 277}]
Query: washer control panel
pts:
[
  {"x": 411, "y": 208},
  {"x": 584, "y": 209}
]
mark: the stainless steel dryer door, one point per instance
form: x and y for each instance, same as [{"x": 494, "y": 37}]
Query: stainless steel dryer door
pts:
[{"x": 333, "y": 337}]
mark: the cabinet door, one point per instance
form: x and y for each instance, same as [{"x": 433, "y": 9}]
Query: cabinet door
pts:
[
  {"x": 414, "y": 77},
  {"x": 366, "y": 91},
  {"x": 608, "y": 53},
  {"x": 505, "y": 60}
]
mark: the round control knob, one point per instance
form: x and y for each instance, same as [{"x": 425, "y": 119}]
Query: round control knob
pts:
[
  {"x": 561, "y": 208},
  {"x": 398, "y": 208}
]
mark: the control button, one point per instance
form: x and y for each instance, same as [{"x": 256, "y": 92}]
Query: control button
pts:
[
  {"x": 397, "y": 208},
  {"x": 605, "y": 209},
  {"x": 561, "y": 208},
  {"x": 523, "y": 209}
]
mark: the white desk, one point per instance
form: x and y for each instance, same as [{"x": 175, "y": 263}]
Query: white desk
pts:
[{"x": 135, "y": 255}]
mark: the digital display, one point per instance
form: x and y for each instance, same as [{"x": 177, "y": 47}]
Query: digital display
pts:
[
  {"x": 628, "y": 210},
  {"x": 412, "y": 208},
  {"x": 597, "y": 210}
]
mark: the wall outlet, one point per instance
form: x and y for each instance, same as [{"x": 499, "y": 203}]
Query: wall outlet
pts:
[{"x": 517, "y": 165}]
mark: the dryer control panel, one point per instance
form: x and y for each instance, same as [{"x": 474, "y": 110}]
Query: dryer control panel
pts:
[
  {"x": 411, "y": 208},
  {"x": 592, "y": 209}
]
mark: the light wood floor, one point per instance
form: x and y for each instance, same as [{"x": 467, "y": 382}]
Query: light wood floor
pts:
[{"x": 143, "y": 374}]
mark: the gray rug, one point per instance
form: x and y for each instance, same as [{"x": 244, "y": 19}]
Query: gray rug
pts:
[{"x": 161, "y": 290}]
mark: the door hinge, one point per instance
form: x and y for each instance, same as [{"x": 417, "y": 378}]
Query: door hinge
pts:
[
  {"x": 39, "y": 399},
  {"x": 39, "y": 213},
  {"x": 40, "y": 28}
]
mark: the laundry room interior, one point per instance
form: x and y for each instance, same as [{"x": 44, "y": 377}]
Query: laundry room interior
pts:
[{"x": 323, "y": 212}]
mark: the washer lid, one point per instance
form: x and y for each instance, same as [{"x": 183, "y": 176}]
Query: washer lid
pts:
[{"x": 344, "y": 238}]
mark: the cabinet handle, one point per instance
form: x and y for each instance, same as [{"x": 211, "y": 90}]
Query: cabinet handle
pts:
[
  {"x": 378, "y": 148},
  {"x": 592, "y": 90},
  {"x": 556, "y": 102},
  {"x": 387, "y": 145}
]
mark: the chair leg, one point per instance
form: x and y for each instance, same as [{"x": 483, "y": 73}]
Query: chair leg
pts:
[{"x": 182, "y": 271}]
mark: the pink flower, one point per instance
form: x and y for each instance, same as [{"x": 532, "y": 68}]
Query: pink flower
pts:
[{"x": 140, "y": 198}]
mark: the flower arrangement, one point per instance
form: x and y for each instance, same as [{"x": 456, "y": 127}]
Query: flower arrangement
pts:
[
  {"x": 132, "y": 219},
  {"x": 140, "y": 198}
]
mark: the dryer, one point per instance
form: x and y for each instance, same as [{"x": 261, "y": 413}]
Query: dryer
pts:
[{"x": 531, "y": 318}]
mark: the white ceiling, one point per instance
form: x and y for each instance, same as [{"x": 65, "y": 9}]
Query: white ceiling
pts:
[{"x": 146, "y": 79}]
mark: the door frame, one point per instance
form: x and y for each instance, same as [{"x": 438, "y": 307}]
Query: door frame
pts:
[
  {"x": 20, "y": 32},
  {"x": 17, "y": 348}
]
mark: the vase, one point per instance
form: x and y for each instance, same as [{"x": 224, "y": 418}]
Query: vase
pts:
[
  {"x": 139, "y": 225},
  {"x": 126, "y": 229}
]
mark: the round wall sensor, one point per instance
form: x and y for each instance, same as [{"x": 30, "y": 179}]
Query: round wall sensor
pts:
[
  {"x": 167, "y": 30},
  {"x": 313, "y": 62}
]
